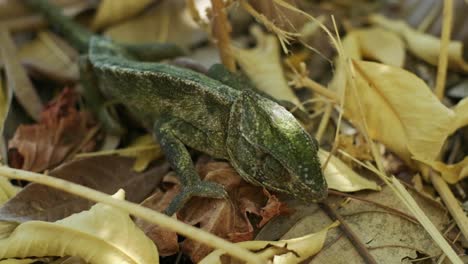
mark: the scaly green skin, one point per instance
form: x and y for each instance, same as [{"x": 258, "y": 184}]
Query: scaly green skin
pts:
[{"x": 221, "y": 116}]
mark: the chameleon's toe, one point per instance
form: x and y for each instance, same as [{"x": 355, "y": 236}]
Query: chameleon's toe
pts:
[{"x": 201, "y": 189}]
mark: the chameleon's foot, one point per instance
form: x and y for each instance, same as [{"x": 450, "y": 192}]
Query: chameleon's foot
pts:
[{"x": 200, "y": 189}]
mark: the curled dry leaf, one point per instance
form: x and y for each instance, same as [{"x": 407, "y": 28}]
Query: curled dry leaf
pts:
[
  {"x": 424, "y": 46},
  {"x": 342, "y": 178},
  {"x": 62, "y": 131},
  {"x": 263, "y": 66},
  {"x": 113, "y": 11},
  {"x": 101, "y": 235},
  {"x": 284, "y": 251},
  {"x": 169, "y": 21}
]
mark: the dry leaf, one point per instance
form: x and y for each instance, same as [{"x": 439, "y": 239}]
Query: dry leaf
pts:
[
  {"x": 224, "y": 218},
  {"x": 381, "y": 45},
  {"x": 263, "y": 66},
  {"x": 342, "y": 178},
  {"x": 50, "y": 55},
  {"x": 17, "y": 79},
  {"x": 101, "y": 235},
  {"x": 284, "y": 251},
  {"x": 144, "y": 148},
  {"x": 61, "y": 132},
  {"x": 424, "y": 46},
  {"x": 106, "y": 174},
  {"x": 112, "y": 11},
  {"x": 169, "y": 21}
]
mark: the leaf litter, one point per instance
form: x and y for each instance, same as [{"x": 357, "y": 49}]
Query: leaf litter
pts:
[{"x": 403, "y": 123}]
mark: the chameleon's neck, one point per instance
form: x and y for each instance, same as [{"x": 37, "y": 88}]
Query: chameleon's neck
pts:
[{"x": 77, "y": 35}]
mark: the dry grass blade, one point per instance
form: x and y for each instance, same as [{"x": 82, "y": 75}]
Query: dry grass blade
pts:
[{"x": 17, "y": 78}]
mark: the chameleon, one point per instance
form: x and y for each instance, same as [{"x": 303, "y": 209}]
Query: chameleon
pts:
[{"x": 214, "y": 113}]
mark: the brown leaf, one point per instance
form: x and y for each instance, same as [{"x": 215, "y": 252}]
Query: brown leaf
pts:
[
  {"x": 60, "y": 132},
  {"x": 227, "y": 218},
  {"x": 104, "y": 173},
  {"x": 165, "y": 240}
]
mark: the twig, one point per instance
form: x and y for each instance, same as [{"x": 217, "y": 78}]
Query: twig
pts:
[
  {"x": 134, "y": 209},
  {"x": 451, "y": 202},
  {"x": 444, "y": 45},
  {"x": 360, "y": 247},
  {"x": 221, "y": 30}
]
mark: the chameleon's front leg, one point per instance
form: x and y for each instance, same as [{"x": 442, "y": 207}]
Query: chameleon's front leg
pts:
[
  {"x": 179, "y": 159},
  {"x": 96, "y": 100}
]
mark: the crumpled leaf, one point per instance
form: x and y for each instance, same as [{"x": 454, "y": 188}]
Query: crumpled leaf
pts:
[
  {"x": 112, "y": 11},
  {"x": 227, "y": 218},
  {"x": 62, "y": 131},
  {"x": 144, "y": 148},
  {"x": 169, "y": 21},
  {"x": 284, "y": 251},
  {"x": 262, "y": 65},
  {"x": 381, "y": 45},
  {"x": 424, "y": 46},
  {"x": 52, "y": 56},
  {"x": 101, "y": 235},
  {"x": 342, "y": 178}
]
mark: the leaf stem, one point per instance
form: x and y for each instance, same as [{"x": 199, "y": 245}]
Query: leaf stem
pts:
[{"x": 136, "y": 210}]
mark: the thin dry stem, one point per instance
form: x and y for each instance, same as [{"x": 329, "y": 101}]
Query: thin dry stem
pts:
[
  {"x": 444, "y": 46},
  {"x": 451, "y": 202},
  {"x": 221, "y": 29}
]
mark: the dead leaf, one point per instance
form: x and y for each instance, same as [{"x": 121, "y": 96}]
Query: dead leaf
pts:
[
  {"x": 112, "y": 11},
  {"x": 263, "y": 66},
  {"x": 225, "y": 218},
  {"x": 106, "y": 174},
  {"x": 17, "y": 79},
  {"x": 50, "y": 55},
  {"x": 381, "y": 45},
  {"x": 169, "y": 21},
  {"x": 60, "y": 133},
  {"x": 284, "y": 251},
  {"x": 103, "y": 234},
  {"x": 165, "y": 240},
  {"x": 424, "y": 46},
  {"x": 342, "y": 178},
  {"x": 144, "y": 148}
]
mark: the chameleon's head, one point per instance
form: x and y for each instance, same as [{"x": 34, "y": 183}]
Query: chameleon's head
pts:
[{"x": 268, "y": 147}]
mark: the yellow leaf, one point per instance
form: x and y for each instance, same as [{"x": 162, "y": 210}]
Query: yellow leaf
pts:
[
  {"x": 461, "y": 111},
  {"x": 143, "y": 148},
  {"x": 263, "y": 66},
  {"x": 169, "y": 21},
  {"x": 283, "y": 251},
  {"x": 102, "y": 234},
  {"x": 112, "y": 11},
  {"x": 452, "y": 173},
  {"x": 342, "y": 178},
  {"x": 381, "y": 45},
  {"x": 399, "y": 109},
  {"x": 424, "y": 46}
]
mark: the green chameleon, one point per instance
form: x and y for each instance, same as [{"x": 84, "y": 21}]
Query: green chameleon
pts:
[{"x": 216, "y": 114}]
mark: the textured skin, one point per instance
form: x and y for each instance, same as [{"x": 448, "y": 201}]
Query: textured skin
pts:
[{"x": 226, "y": 119}]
